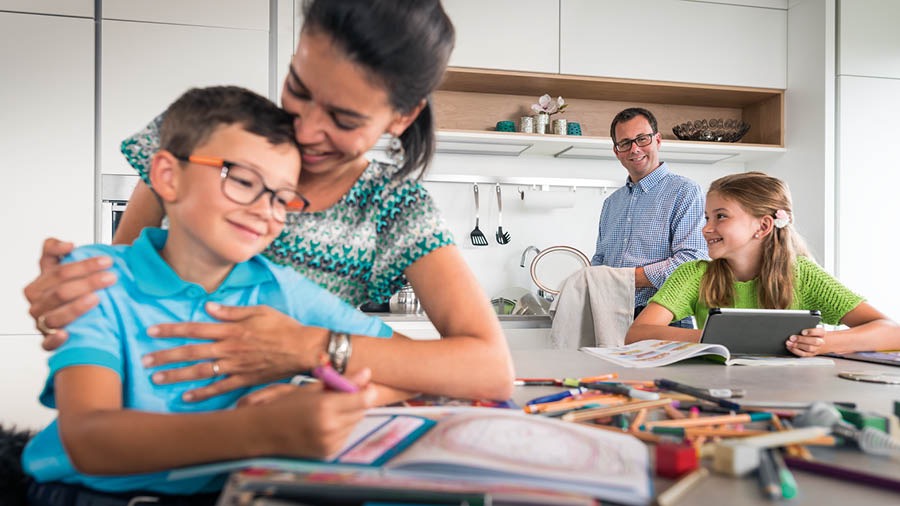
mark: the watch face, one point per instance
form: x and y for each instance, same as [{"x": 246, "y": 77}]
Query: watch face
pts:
[{"x": 871, "y": 377}]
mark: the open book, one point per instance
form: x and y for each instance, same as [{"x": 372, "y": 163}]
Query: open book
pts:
[
  {"x": 655, "y": 353},
  {"x": 485, "y": 448}
]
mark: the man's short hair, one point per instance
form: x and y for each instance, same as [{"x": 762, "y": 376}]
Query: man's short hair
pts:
[
  {"x": 195, "y": 115},
  {"x": 631, "y": 113}
]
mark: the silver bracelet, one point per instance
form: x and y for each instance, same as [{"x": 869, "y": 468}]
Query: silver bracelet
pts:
[{"x": 339, "y": 350}]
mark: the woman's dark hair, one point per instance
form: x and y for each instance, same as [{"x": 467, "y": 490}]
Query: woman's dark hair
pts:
[{"x": 404, "y": 45}]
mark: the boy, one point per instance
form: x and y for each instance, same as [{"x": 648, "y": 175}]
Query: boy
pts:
[{"x": 226, "y": 175}]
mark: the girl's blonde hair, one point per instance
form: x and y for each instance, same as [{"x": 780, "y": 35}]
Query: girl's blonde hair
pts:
[{"x": 760, "y": 195}]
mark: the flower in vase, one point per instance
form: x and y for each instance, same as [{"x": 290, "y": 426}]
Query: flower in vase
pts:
[{"x": 547, "y": 105}]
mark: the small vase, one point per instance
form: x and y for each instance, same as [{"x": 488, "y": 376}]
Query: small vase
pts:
[
  {"x": 559, "y": 127},
  {"x": 541, "y": 123}
]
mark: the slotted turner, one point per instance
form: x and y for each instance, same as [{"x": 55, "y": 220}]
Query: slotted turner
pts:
[
  {"x": 502, "y": 237},
  {"x": 478, "y": 238}
]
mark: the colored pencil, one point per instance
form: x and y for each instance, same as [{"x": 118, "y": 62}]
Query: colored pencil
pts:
[
  {"x": 593, "y": 414},
  {"x": 674, "y": 493}
]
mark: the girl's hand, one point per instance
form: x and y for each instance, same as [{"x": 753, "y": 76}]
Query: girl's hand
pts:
[
  {"x": 270, "y": 393},
  {"x": 810, "y": 342},
  {"x": 311, "y": 422},
  {"x": 62, "y": 293},
  {"x": 253, "y": 345}
]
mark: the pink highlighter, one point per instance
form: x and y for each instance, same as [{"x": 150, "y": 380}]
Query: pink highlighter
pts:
[{"x": 333, "y": 380}]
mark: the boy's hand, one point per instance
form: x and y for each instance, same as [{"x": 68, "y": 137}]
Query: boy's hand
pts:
[
  {"x": 62, "y": 293},
  {"x": 311, "y": 422},
  {"x": 810, "y": 342}
]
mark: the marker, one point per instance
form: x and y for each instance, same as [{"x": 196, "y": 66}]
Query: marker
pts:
[
  {"x": 788, "y": 483},
  {"x": 676, "y": 491},
  {"x": 713, "y": 420},
  {"x": 696, "y": 392},
  {"x": 536, "y": 382},
  {"x": 768, "y": 475},
  {"x": 556, "y": 397},
  {"x": 333, "y": 380},
  {"x": 613, "y": 388}
]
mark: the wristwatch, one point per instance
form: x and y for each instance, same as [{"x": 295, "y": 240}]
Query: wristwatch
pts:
[{"x": 339, "y": 350}]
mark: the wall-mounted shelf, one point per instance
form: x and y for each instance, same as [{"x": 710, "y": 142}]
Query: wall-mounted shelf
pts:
[
  {"x": 542, "y": 182},
  {"x": 471, "y": 101},
  {"x": 598, "y": 148}
]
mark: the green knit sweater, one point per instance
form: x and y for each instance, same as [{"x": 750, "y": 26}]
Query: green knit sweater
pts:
[{"x": 813, "y": 289}]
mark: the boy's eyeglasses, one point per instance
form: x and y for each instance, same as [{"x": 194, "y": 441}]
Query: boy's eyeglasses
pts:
[
  {"x": 244, "y": 185},
  {"x": 641, "y": 140}
]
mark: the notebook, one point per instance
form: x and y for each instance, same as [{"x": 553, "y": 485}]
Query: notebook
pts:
[
  {"x": 485, "y": 448},
  {"x": 657, "y": 353},
  {"x": 873, "y": 357}
]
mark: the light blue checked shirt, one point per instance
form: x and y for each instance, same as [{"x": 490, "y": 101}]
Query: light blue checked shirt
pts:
[{"x": 656, "y": 223}]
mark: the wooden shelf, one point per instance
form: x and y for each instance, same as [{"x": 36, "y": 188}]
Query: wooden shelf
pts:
[{"x": 475, "y": 99}]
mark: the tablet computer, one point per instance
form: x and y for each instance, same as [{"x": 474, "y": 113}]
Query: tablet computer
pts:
[{"x": 756, "y": 331}]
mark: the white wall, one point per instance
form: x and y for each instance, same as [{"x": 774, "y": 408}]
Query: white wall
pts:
[
  {"x": 868, "y": 91},
  {"x": 808, "y": 164}
]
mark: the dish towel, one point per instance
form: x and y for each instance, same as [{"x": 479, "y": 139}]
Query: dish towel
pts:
[{"x": 594, "y": 307}]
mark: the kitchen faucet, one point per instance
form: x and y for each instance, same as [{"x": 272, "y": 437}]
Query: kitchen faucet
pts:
[{"x": 524, "y": 253}]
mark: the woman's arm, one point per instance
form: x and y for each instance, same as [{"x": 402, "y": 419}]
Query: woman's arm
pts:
[
  {"x": 870, "y": 330},
  {"x": 470, "y": 360},
  {"x": 102, "y": 438},
  {"x": 259, "y": 344},
  {"x": 653, "y": 323},
  {"x": 143, "y": 210}
]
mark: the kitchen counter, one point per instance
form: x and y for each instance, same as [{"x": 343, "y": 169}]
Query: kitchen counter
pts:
[{"x": 506, "y": 321}]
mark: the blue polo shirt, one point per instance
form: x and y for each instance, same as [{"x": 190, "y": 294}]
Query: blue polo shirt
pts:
[{"x": 149, "y": 292}]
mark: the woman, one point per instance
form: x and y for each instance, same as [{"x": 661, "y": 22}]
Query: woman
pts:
[{"x": 362, "y": 69}]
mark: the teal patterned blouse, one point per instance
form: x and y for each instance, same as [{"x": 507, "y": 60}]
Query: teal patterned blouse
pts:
[{"x": 359, "y": 247}]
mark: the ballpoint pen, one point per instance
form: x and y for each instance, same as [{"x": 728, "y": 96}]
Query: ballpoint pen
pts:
[
  {"x": 696, "y": 392},
  {"x": 788, "y": 483},
  {"x": 769, "y": 482}
]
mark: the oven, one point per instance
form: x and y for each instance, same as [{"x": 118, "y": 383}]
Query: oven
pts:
[{"x": 115, "y": 190}]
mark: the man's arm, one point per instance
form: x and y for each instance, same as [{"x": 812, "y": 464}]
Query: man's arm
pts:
[{"x": 687, "y": 237}]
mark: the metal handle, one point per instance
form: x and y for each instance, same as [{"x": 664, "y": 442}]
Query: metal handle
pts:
[
  {"x": 499, "y": 206},
  {"x": 477, "y": 204},
  {"x": 539, "y": 256}
]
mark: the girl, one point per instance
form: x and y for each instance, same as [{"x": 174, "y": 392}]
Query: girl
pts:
[{"x": 760, "y": 261}]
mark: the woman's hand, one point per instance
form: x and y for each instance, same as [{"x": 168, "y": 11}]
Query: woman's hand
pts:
[
  {"x": 62, "y": 293},
  {"x": 809, "y": 343},
  {"x": 252, "y": 345}
]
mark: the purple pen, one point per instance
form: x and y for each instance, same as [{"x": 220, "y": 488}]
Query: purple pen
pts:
[{"x": 333, "y": 380}]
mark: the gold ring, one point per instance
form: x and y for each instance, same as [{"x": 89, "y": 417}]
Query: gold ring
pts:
[
  {"x": 215, "y": 368},
  {"x": 42, "y": 326}
]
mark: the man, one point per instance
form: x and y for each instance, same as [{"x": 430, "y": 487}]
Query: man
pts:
[{"x": 653, "y": 223}]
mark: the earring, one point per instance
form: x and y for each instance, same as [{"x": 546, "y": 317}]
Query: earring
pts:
[
  {"x": 756, "y": 235},
  {"x": 395, "y": 151}
]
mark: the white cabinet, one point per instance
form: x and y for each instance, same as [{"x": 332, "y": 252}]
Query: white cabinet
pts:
[
  {"x": 506, "y": 34},
  {"x": 670, "y": 40},
  {"x": 47, "y": 141},
  {"x": 148, "y": 65},
  {"x": 869, "y": 39},
  {"x": 23, "y": 370},
  {"x": 80, "y": 8},
  {"x": 249, "y": 14}
]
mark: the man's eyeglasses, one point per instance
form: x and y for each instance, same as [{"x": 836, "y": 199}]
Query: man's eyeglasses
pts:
[
  {"x": 244, "y": 185},
  {"x": 641, "y": 140}
]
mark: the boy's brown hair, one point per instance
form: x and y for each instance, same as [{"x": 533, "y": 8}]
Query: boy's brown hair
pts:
[{"x": 195, "y": 115}]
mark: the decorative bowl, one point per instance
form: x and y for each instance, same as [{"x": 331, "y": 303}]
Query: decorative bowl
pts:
[{"x": 715, "y": 130}]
